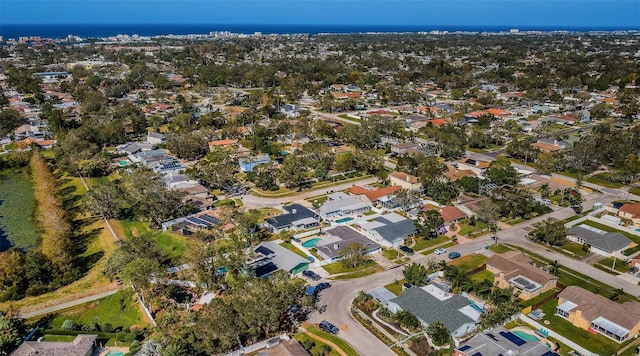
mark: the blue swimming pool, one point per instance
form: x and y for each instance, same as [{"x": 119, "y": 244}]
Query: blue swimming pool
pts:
[
  {"x": 311, "y": 243},
  {"x": 339, "y": 221},
  {"x": 524, "y": 336}
]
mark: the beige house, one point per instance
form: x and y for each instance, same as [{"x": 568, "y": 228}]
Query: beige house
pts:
[
  {"x": 595, "y": 313},
  {"x": 631, "y": 212},
  {"x": 406, "y": 181},
  {"x": 512, "y": 269}
]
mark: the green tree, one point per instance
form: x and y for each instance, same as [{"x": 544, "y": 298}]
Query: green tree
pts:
[
  {"x": 407, "y": 320},
  {"x": 501, "y": 172},
  {"x": 12, "y": 331},
  {"x": 415, "y": 274},
  {"x": 428, "y": 223},
  {"x": 438, "y": 333},
  {"x": 291, "y": 173},
  {"x": 549, "y": 231},
  {"x": 354, "y": 255},
  {"x": 9, "y": 120}
]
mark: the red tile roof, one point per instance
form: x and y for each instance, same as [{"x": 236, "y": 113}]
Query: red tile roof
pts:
[
  {"x": 438, "y": 122},
  {"x": 633, "y": 209},
  {"x": 223, "y": 142},
  {"x": 546, "y": 146},
  {"x": 374, "y": 195},
  {"x": 451, "y": 213}
]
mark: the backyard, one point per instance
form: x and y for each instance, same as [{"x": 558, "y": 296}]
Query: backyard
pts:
[{"x": 171, "y": 245}]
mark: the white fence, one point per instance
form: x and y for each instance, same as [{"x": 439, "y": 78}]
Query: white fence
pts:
[
  {"x": 558, "y": 337},
  {"x": 259, "y": 345}
]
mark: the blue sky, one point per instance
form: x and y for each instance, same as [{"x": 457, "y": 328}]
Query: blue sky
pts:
[{"x": 524, "y": 13}]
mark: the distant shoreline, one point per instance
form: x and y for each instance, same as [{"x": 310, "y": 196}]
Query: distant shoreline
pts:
[{"x": 106, "y": 30}]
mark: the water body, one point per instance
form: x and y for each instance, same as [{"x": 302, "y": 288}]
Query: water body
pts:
[
  {"x": 106, "y": 30},
  {"x": 17, "y": 227}
]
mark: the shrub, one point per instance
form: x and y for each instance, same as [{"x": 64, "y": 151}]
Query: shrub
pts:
[
  {"x": 107, "y": 327},
  {"x": 274, "y": 188},
  {"x": 69, "y": 325}
]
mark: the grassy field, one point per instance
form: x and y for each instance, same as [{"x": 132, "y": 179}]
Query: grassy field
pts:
[
  {"x": 121, "y": 310},
  {"x": 466, "y": 229},
  {"x": 422, "y": 244},
  {"x": 594, "y": 343},
  {"x": 317, "y": 348},
  {"x": 601, "y": 179},
  {"x": 338, "y": 267},
  {"x": 395, "y": 287},
  {"x": 336, "y": 340},
  {"x": 171, "y": 245},
  {"x": 469, "y": 262},
  {"x": 17, "y": 203}
]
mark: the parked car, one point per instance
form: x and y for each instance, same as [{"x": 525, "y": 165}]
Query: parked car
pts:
[
  {"x": 328, "y": 327},
  {"x": 311, "y": 274},
  {"x": 323, "y": 285},
  {"x": 633, "y": 270},
  {"x": 454, "y": 254},
  {"x": 408, "y": 250},
  {"x": 440, "y": 251}
]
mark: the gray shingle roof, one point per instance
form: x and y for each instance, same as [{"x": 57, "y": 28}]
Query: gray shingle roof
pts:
[
  {"x": 609, "y": 242},
  {"x": 392, "y": 231},
  {"x": 429, "y": 309},
  {"x": 293, "y": 212},
  {"x": 80, "y": 346},
  {"x": 346, "y": 236}
]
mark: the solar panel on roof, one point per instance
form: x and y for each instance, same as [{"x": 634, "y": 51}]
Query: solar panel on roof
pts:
[
  {"x": 465, "y": 347},
  {"x": 263, "y": 250},
  {"x": 550, "y": 353},
  {"x": 209, "y": 219},
  {"x": 477, "y": 354},
  {"x": 492, "y": 337},
  {"x": 193, "y": 220},
  {"x": 513, "y": 338}
]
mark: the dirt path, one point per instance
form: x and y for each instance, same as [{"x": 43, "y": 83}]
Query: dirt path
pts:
[{"x": 323, "y": 340}]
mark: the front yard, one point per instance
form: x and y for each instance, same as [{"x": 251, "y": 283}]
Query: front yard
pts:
[
  {"x": 469, "y": 262},
  {"x": 422, "y": 243}
]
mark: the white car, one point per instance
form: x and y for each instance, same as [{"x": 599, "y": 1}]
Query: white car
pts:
[{"x": 440, "y": 251}]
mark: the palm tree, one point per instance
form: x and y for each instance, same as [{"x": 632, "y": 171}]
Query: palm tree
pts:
[
  {"x": 174, "y": 350},
  {"x": 554, "y": 268},
  {"x": 544, "y": 190}
]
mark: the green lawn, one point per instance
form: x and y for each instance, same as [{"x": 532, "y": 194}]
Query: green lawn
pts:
[
  {"x": 171, "y": 245},
  {"x": 336, "y": 340},
  {"x": 620, "y": 266},
  {"x": 121, "y": 310},
  {"x": 571, "y": 249},
  {"x": 634, "y": 190},
  {"x": 319, "y": 199},
  {"x": 601, "y": 179},
  {"x": 338, "y": 267},
  {"x": 594, "y": 343},
  {"x": 466, "y": 229},
  {"x": 469, "y": 262},
  {"x": 390, "y": 254},
  {"x": 395, "y": 287},
  {"x": 535, "y": 300},
  {"x": 294, "y": 249},
  {"x": 481, "y": 276},
  {"x": 500, "y": 248},
  {"x": 370, "y": 212},
  {"x": 422, "y": 244}
]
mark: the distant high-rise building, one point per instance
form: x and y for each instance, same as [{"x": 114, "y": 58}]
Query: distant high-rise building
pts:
[{"x": 514, "y": 30}]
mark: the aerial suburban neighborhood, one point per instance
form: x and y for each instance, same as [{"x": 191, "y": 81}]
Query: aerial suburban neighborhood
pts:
[{"x": 432, "y": 193}]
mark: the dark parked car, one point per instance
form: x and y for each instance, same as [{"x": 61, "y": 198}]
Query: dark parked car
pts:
[
  {"x": 454, "y": 254},
  {"x": 633, "y": 270},
  {"x": 406, "y": 249},
  {"x": 311, "y": 274},
  {"x": 323, "y": 285},
  {"x": 328, "y": 327}
]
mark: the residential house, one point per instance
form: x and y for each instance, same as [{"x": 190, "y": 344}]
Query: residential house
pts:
[
  {"x": 500, "y": 341},
  {"x": 148, "y": 158},
  {"x": 270, "y": 257},
  {"x": 290, "y": 111},
  {"x": 247, "y": 164},
  {"x": 338, "y": 238},
  {"x": 632, "y": 212},
  {"x": 599, "y": 314},
  {"x": 476, "y": 166},
  {"x": 453, "y": 173},
  {"x": 553, "y": 146},
  {"x": 130, "y": 148},
  {"x": 389, "y": 230},
  {"x": 82, "y": 345},
  {"x": 559, "y": 119},
  {"x": 156, "y": 138},
  {"x": 401, "y": 148},
  {"x": 405, "y": 180},
  {"x": 376, "y": 197},
  {"x": 430, "y": 304},
  {"x": 604, "y": 243},
  {"x": 513, "y": 269},
  {"x": 294, "y": 217},
  {"x": 451, "y": 214},
  {"x": 342, "y": 205}
]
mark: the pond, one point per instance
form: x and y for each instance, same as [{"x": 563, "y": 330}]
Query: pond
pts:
[{"x": 17, "y": 225}]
